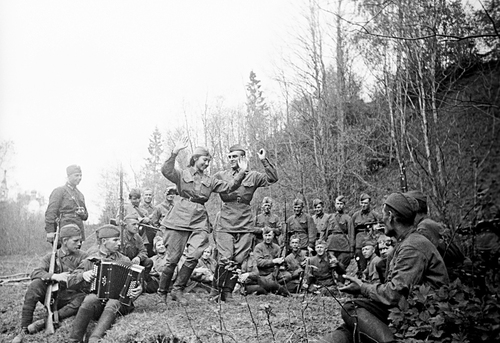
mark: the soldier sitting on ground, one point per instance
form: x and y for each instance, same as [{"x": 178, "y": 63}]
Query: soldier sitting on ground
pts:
[
  {"x": 370, "y": 274},
  {"x": 324, "y": 272},
  {"x": 295, "y": 264},
  {"x": 68, "y": 300}
]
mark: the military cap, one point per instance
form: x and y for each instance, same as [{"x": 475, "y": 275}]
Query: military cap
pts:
[
  {"x": 320, "y": 242},
  {"x": 171, "y": 190},
  {"x": 364, "y": 196},
  {"x": 107, "y": 231},
  {"x": 73, "y": 169},
  {"x": 368, "y": 242},
  {"x": 298, "y": 202},
  {"x": 134, "y": 193},
  {"x": 317, "y": 202},
  {"x": 266, "y": 230},
  {"x": 419, "y": 196},
  {"x": 405, "y": 205},
  {"x": 237, "y": 147},
  {"x": 70, "y": 230},
  {"x": 131, "y": 217},
  {"x": 340, "y": 198},
  {"x": 200, "y": 151},
  {"x": 267, "y": 200}
]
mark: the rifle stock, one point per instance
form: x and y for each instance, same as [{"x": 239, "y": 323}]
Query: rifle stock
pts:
[{"x": 52, "y": 288}]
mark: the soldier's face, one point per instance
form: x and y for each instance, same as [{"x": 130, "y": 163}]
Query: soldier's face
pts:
[
  {"x": 365, "y": 204},
  {"x": 132, "y": 226},
  {"x": 73, "y": 243},
  {"x": 74, "y": 179},
  {"x": 170, "y": 197},
  {"x": 294, "y": 244},
  {"x": 297, "y": 209},
  {"x": 367, "y": 251},
  {"x": 112, "y": 244},
  {"x": 320, "y": 249},
  {"x": 160, "y": 248},
  {"x": 387, "y": 219},
  {"x": 318, "y": 209},
  {"x": 266, "y": 208},
  {"x": 135, "y": 201},
  {"x": 206, "y": 254},
  {"x": 234, "y": 158},
  {"x": 148, "y": 197},
  {"x": 339, "y": 206},
  {"x": 268, "y": 237},
  {"x": 202, "y": 163}
]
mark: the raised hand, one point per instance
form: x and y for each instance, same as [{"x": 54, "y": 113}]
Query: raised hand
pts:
[
  {"x": 262, "y": 154},
  {"x": 243, "y": 163},
  {"x": 181, "y": 144}
]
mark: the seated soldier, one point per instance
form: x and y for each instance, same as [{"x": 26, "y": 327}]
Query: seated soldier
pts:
[
  {"x": 385, "y": 247},
  {"x": 321, "y": 278},
  {"x": 69, "y": 257},
  {"x": 267, "y": 254},
  {"x": 203, "y": 275},
  {"x": 159, "y": 262},
  {"x": 370, "y": 274},
  {"x": 295, "y": 263},
  {"x": 108, "y": 240},
  {"x": 251, "y": 282},
  {"x": 133, "y": 246},
  {"x": 415, "y": 261}
]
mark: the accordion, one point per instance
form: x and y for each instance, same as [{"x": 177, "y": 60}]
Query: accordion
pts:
[{"x": 116, "y": 280}]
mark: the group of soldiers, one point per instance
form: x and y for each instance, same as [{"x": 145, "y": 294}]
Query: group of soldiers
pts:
[{"x": 393, "y": 250}]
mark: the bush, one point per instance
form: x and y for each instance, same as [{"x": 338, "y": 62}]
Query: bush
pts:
[{"x": 454, "y": 313}]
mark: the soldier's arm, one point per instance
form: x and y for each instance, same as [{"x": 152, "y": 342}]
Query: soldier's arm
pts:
[
  {"x": 52, "y": 211},
  {"x": 42, "y": 270}
]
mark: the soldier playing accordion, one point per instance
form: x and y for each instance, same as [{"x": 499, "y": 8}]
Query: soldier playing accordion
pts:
[{"x": 107, "y": 250}]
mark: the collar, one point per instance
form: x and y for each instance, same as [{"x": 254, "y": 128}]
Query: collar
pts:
[
  {"x": 405, "y": 234},
  {"x": 194, "y": 171},
  {"x": 70, "y": 186}
]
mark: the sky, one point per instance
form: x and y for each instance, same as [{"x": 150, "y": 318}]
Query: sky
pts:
[{"x": 86, "y": 82}]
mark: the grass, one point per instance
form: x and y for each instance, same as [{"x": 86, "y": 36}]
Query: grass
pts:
[{"x": 267, "y": 318}]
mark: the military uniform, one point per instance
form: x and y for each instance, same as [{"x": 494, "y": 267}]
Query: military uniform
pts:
[
  {"x": 340, "y": 239},
  {"x": 294, "y": 271},
  {"x": 360, "y": 219},
  {"x": 234, "y": 230},
  {"x": 63, "y": 204},
  {"x": 93, "y": 307},
  {"x": 321, "y": 275},
  {"x": 187, "y": 223},
  {"x": 302, "y": 226},
  {"x": 68, "y": 298},
  {"x": 267, "y": 220}
]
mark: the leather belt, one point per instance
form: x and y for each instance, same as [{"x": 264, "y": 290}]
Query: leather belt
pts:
[{"x": 239, "y": 200}]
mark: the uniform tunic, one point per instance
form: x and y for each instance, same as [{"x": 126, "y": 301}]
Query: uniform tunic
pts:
[
  {"x": 63, "y": 203},
  {"x": 341, "y": 238},
  {"x": 321, "y": 272},
  {"x": 323, "y": 224},
  {"x": 236, "y": 213},
  {"x": 415, "y": 261},
  {"x": 303, "y": 226},
  {"x": 361, "y": 218},
  {"x": 371, "y": 273},
  {"x": 133, "y": 246},
  {"x": 268, "y": 220},
  {"x": 264, "y": 255},
  {"x": 189, "y": 213},
  {"x": 161, "y": 212},
  {"x": 68, "y": 300}
]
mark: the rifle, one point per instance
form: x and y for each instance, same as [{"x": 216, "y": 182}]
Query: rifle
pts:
[
  {"x": 121, "y": 215},
  {"x": 287, "y": 239},
  {"x": 402, "y": 177},
  {"x": 50, "y": 298}
]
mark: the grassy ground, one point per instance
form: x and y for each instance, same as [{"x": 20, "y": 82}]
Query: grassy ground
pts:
[{"x": 252, "y": 319}]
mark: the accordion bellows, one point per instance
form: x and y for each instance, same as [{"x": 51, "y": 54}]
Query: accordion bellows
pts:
[{"x": 116, "y": 280}]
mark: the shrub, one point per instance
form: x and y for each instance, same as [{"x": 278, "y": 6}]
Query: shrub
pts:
[{"x": 453, "y": 313}]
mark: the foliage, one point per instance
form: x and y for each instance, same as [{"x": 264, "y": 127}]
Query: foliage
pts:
[{"x": 453, "y": 313}]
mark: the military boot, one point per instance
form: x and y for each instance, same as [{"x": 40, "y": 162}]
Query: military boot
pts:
[
  {"x": 180, "y": 284},
  {"x": 105, "y": 321}
]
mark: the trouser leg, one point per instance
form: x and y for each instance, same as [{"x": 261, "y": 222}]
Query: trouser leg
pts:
[
  {"x": 166, "y": 278},
  {"x": 106, "y": 320},
  {"x": 35, "y": 293},
  {"x": 70, "y": 308},
  {"x": 90, "y": 308}
]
